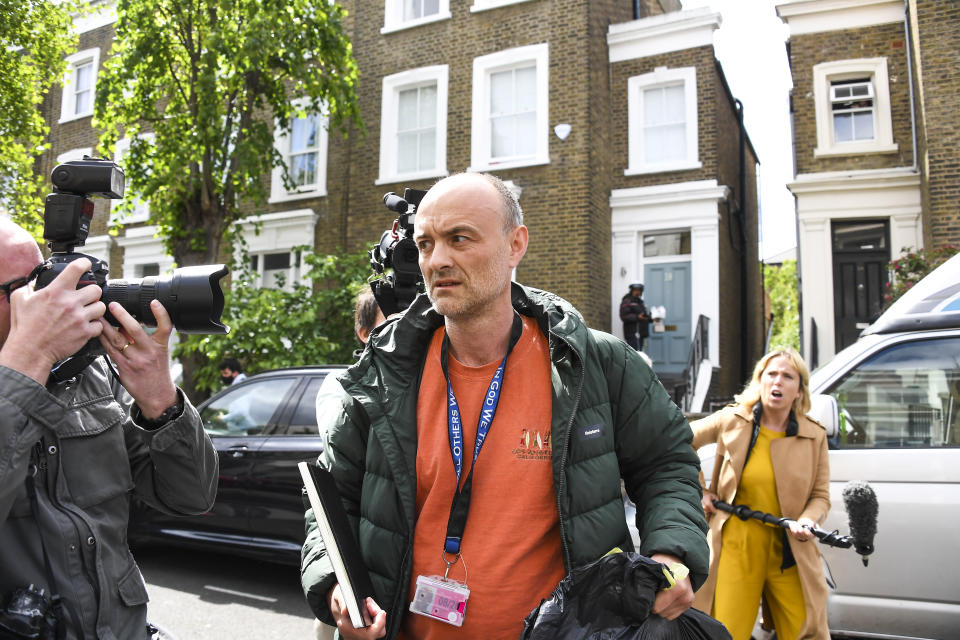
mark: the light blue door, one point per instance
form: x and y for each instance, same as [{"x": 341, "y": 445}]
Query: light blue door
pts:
[{"x": 668, "y": 285}]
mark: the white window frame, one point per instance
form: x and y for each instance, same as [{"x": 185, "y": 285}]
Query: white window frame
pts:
[
  {"x": 141, "y": 209},
  {"x": 279, "y": 232},
  {"x": 483, "y": 68},
  {"x": 827, "y": 72},
  {"x": 69, "y": 97},
  {"x": 281, "y": 142},
  {"x": 661, "y": 77},
  {"x": 485, "y": 5},
  {"x": 393, "y": 85},
  {"x": 393, "y": 16},
  {"x": 143, "y": 246}
]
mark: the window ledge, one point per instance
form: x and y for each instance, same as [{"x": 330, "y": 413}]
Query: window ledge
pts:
[
  {"x": 510, "y": 164},
  {"x": 410, "y": 177},
  {"x": 78, "y": 116},
  {"x": 125, "y": 220},
  {"x": 403, "y": 26},
  {"x": 855, "y": 149},
  {"x": 493, "y": 4},
  {"x": 297, "y": 195},
  {"x": 663, "y": 168}
]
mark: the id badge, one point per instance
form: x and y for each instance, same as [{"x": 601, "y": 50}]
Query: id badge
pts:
[{"x": 444, "y": 600}]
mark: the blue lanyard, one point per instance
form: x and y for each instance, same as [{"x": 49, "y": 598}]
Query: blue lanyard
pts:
[
  {"x": 461, "y": 497},
  {"x": 487, "y": 411}
]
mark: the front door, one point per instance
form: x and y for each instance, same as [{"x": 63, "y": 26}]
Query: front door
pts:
[
  {"x": 860, "y": 257},
  {"x": 667, "y": 284}
]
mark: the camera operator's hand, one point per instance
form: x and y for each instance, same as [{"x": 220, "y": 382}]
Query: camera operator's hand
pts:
[
  {"x": 52, "y": 323},
  {"x": 142, "y": 359}
]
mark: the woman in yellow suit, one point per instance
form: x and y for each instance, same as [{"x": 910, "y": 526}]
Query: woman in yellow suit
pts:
[{"x": 772, "y": 458}]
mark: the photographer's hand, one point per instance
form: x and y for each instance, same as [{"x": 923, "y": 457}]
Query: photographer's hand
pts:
[
  {"x": 52, "y": 323},
  {"x": 142, "y": 359}
]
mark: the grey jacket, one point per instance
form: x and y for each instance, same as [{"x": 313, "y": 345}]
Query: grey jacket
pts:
[{"x": 87, "y": 458}]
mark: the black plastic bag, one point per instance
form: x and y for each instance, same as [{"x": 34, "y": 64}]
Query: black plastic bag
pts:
[{"x": 610, "y": 599}]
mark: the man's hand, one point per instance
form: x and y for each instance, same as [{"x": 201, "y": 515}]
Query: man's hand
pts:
[
  {"x": 52, "y": 323},
  {"x": 338, "y": 607},
  {"x": 670, "y": 603},
  {"x": 142, "y": 360}
]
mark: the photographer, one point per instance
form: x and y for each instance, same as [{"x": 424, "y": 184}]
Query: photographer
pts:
[{"x": 72, "y": 453}]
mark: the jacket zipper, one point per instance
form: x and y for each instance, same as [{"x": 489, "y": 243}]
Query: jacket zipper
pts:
[
  {"x": 50, "y": 491},
  {"x": 563, "y": 457}
]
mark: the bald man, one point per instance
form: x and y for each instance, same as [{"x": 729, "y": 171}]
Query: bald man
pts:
[
  {"x": 502, "y": 391},
  {"x": 72, "y": 453}
]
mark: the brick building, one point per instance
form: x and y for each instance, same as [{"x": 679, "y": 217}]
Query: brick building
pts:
[
  {"x": 875, "y": 144},
  {"x": 610, "y": 119}
]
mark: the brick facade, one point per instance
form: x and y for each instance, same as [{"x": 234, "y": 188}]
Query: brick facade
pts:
[
  {"x": 849, "y": 44},
  {"x": 937, "y": 35},
  {"x": 566, "y": 202},
  {"x": 912, "y": 188}
]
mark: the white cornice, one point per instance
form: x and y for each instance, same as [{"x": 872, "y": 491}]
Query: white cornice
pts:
[
  {"x": 294, "y": 216},
  {"x": 667, "y": 193},
  {"x": 100, "y": 15},
  {"x": 673, "y": 31},
  {"x": 861, "y": 180},
  {"x": 816, "y": 16}
]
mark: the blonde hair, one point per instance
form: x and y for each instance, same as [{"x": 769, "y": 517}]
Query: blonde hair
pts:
[{"x": 751, "y": 393}]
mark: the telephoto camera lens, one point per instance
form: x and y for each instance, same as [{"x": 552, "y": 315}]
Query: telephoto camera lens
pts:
[{"x": 191, "y": 295}]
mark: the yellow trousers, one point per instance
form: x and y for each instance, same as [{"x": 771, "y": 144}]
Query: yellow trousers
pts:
[{"x": 750, "y": 559}]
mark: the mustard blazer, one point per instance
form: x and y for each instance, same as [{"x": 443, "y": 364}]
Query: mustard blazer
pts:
[{"x": 802, "y": 469}]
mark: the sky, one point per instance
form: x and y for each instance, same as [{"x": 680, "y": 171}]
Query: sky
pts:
[{"x": 750, "y": 45}]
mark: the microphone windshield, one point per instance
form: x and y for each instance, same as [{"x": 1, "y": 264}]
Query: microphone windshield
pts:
[{"x": 861, "y": 504}]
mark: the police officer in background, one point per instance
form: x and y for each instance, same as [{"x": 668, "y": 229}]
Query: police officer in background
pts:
[{"x": 636, "y": 318}]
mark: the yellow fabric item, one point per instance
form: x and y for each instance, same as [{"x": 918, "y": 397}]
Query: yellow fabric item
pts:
[{"x": 752, "y": 554}]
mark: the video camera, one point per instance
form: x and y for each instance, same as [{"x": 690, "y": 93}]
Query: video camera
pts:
[
  {"x": 191, "y": 295},
  {"x": 395, "y": 258}
]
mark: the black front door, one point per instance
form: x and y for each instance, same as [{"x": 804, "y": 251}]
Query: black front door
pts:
[{"x": 860, "y": 257}]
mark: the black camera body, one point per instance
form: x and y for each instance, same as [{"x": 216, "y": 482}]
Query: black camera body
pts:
[
  {"x": 191, "y": 295},
  {"x": 28, "y": 613},
  {"x": 395, "y": 258}
]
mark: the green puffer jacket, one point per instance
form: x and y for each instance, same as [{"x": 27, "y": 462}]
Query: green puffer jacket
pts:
[{"x": 598, "y": 381}]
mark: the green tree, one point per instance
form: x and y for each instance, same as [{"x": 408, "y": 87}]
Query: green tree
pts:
[
  {"x": 209, "y": 79},
  {"x": 272, "y": 328},
  {"x": 781, "y": 284},
  {"x": 34, "y": 40}
]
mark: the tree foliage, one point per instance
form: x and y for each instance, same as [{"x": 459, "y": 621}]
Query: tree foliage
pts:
[
  {"x": 35, "y": 37},
  {"x": 911, "y": 266},
  {"x": 781, "y": 285},
  {"x": 272, "y": 328},
  {"x": 209, "y": 79}
]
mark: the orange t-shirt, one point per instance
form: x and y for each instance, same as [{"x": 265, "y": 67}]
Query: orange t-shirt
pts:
[{"x": 510, "y": 553}]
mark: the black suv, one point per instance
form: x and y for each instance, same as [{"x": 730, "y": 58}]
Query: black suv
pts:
[{"x": 262, "y": 427}]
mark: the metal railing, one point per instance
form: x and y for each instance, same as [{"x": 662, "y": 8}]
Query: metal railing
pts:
[{"x": 699, "y": 348}]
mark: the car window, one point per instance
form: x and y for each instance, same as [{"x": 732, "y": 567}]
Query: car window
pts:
[
  {"x": 247, "y": 409},
  {"x": 304, "y": 420},
  {"x": 908, "y": 395}
]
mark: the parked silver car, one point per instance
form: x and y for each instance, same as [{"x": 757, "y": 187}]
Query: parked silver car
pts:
[{"x": 891, "y": 404}]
